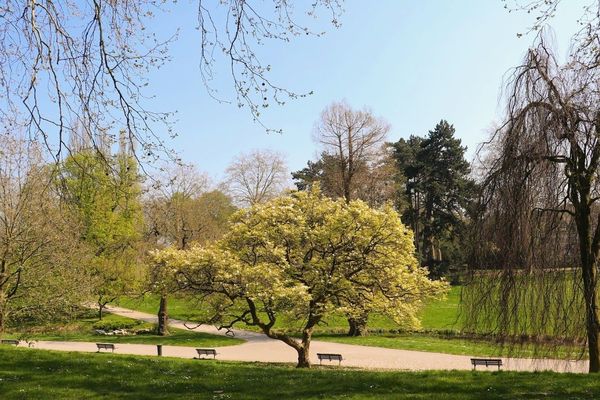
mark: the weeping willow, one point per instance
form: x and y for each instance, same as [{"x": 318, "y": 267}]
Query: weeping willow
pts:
[{"x": 533, "y": 274}]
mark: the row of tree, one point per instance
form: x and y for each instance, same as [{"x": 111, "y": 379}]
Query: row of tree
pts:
[
  {"x": 103, "y": 217},
  {"x": 78, "y": 231},
  {"x": 427, "y": 178}
]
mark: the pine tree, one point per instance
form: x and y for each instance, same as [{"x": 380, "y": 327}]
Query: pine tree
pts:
[{"x": 438, "y": 190}]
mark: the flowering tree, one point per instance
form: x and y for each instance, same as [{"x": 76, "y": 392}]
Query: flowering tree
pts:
[{"x": 304, "y": 257}]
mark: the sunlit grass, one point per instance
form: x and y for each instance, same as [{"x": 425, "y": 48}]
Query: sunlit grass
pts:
[
  {"x": 82, "y": 330},
  {"x": 441, "y": 314}
]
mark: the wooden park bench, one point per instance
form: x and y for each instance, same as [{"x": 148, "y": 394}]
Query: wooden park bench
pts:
[
  {"x": 14, "y": 342},
  {"x": 329, "y": 357},
  {"x": 105, "y": 346},
  {"x": 206, "y": 352},
  {"x": 487, "y": 362}
]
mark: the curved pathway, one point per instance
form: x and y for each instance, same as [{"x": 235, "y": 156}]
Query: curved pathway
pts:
[{"x": 259, "y": 347}]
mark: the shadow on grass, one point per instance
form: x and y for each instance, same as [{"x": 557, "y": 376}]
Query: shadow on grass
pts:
[{"x": 36, "y": 374}]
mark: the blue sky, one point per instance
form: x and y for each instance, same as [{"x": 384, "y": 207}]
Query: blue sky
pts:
[{"x": 412, "y": 62}]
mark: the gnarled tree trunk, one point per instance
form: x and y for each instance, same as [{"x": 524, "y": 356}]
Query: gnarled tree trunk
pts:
[
  {"x": 304, "y": 353},
  {"x": 358, "y": 325}
]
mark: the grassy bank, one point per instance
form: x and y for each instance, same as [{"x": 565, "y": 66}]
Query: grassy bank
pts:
[
  {"x": 36, "y": 374},
  {"x": 83, "y": 330}
]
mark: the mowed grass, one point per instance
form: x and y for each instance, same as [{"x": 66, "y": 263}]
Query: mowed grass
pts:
[
  {"x": 438, "y": 315},
  {"x": 456, "y": 345},
  {"x": 82, "y": 330},
  {"x": 181, "y": 308},
  {"x": 443, "y": 314},
  {"x": 421, "y": 342},
  {"x": 39, "y": 374}
]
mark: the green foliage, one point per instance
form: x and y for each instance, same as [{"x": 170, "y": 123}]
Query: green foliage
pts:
[
  {"x": 103, "y": 195},
  {"x": 304, "y": 257},
  {"x": 324, "y": 172},
  {"x": 34, "y": 374},
  {"x": 82, "y": 329},
  {"x": 109, "y": 325},
  {"x": 438, "y": 193},
  {"x": 40, "y": 278}
]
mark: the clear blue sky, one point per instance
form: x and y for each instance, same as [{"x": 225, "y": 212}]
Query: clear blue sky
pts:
[{"x": 411, "y": 62}]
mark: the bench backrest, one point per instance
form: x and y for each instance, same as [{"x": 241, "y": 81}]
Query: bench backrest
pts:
[
  {"x": 484, "y": 361},
  {"x": 330, "y": 356}
]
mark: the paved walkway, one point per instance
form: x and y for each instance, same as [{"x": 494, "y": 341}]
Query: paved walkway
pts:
[{"x": 260, "y": 348}]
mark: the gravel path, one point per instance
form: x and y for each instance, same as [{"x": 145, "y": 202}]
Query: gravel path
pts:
[{"x": 260, "y": 348}]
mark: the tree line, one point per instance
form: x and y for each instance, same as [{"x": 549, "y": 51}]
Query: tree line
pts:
[
  {"x": 99, "y": 216},
  {"x": 71, "y": 228}
]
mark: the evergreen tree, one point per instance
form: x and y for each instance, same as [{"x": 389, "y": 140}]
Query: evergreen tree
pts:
[{"x": 438, "y": 191}]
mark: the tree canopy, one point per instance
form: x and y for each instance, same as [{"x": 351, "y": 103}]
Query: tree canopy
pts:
[
  {"x": 41, "y": 276},
  {"x": 103, "y": 194},
  {"x": 437, "y": 191},
  {"x": 304, "y": 257}
]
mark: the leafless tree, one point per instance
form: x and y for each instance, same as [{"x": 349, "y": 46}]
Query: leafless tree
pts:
[
  {"x": 168, "y": 206},
  {"x": 539, "y": 234},
  {"x": 69, "y": 66},
  {"x": 352, "y": 140},
  {"x": 256, "y": 177},
  {"x": 586, "y": 41},
  {"x": 356, "y": 164}
]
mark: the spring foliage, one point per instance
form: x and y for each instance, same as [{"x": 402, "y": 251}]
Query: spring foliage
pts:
[{"x": 304, "y": 257}]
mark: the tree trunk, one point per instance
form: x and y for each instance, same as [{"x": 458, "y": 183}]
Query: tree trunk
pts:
[
  {"x": 358, "y": 325},
  {"x": 590, "y": 295},
  {"x": 163, "y": 317},
  {"x": 100, "y": 310},
  {"x": 303, "y": 349},
  {"x": 588, "y": 256},
  {"x": 2, "y": 319},
  {"x": 303, "y": 357},
  {"x": 592, "y": 321}
]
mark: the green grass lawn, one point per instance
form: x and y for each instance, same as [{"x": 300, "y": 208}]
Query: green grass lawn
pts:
[
  {"x": 38, "y": 374},
  {"x": 438, "y": 319},
  {"x": 438, "y": 315},
  {"x": 452, "y": 345},
  {"x": 420, "y": 342},
  {"x": 82, "y": 330},
  {"x": 182, "y": 308},
  {"x": 443, "y": 314}
]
